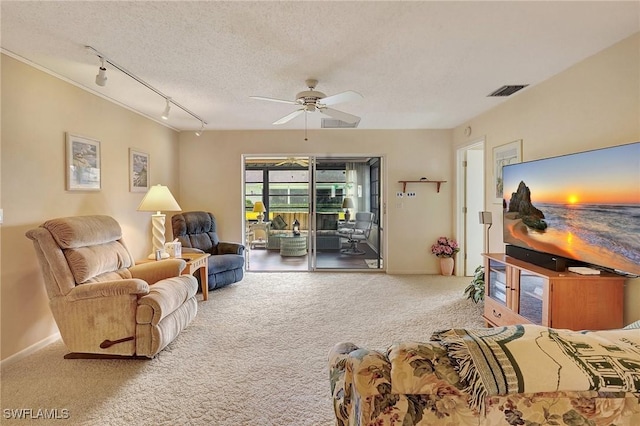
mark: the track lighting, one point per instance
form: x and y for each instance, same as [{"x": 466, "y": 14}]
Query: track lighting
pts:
[
  {"x": 165, "y": 114},
  {"x": 199, "y": 132},
  {"x": 101, "y": 80},
  {"x": 101, "y": 77}
]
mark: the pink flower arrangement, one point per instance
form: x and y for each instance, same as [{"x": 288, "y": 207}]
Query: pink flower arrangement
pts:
[{"x": 445, "y": 247}]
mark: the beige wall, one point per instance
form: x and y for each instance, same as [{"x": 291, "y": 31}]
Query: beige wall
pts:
[
  {"x": 211, "y": 179},
  {"x": 37, "y": 110},
  {"x": 593, "y": 104}
]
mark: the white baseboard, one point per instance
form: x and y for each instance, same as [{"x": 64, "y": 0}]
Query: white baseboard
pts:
[{"x": 30, "y": 350}]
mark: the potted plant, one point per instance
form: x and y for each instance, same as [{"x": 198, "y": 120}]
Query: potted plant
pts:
[
  {"x": 445, "y": 248},
  {"x": 475, "y": 290}
]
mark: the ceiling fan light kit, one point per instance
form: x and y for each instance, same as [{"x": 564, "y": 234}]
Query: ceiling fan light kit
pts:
[{"x": 101, "y": 80}]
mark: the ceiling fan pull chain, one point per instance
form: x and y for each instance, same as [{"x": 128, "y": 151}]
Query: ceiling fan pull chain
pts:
[{"x": 305, "y": 126}]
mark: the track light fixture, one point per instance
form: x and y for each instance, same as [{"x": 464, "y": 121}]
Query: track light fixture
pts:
[
  {"x": 165, "y": 113},
  {"x": 199, "y": 132},
  {"x": 101, "y": 80},
  {"x": 101, "y": 77}
]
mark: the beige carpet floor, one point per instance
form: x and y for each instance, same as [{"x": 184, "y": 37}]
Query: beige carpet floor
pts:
[{"x": 256, "y": 354}]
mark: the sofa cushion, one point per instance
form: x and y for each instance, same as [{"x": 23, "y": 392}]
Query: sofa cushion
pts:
[
  {"x": 290, "y": 217},
  {"x": 327, "y": 221},
  {"x": 164, "y": 298},
  {"x": 225, "y": 262},
  {"x": 422, "y": 368},
  {"x": 196, "y": 229},
  {"x": 278, "y": 223},
  {"x": 102, "y": 262},
  {"x": 82, "y": 231}
]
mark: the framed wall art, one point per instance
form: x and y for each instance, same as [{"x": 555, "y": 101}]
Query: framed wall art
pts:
[
  {"x": 138, "y": 171},
  {"x": 503, "y": 155},
  {"x": 82, "y": 163}
]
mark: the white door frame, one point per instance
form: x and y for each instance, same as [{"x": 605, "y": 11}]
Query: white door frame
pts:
[
  {"x": 382, "y": 241},
  {"x": 461, "y": 198}
]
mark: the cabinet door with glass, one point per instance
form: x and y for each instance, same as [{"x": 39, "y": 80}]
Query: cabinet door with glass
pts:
[
  {"x": 529, "y": 296},
  {"x": 514, "y": 295},
  {"x": 496, "y": 282}
]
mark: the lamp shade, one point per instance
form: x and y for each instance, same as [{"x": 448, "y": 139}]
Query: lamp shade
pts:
[
  {"x": 258, "y": 207},
  {"x": 485, "y": 218},
  {"x": 347, "y": 203},
  {"x": 157, "y": 199}
]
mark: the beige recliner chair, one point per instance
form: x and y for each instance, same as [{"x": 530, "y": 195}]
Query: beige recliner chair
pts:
[{"x": 104, "y": 304}]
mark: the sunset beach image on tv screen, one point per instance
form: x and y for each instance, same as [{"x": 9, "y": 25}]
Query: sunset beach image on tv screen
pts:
[{"x": 583, "y": 206}]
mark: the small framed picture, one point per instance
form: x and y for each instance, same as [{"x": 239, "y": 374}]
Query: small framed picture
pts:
[
  {"x": 83, "y": 163},
  {"x": 503, "y": 155},
  {"x": 138, "y": 171}
]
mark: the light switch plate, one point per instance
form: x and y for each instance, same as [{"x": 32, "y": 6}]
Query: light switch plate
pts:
[{"x": 1, "y": 216}]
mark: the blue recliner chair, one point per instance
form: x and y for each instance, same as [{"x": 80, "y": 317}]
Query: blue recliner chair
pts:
[{"x": 196, "y": 231}]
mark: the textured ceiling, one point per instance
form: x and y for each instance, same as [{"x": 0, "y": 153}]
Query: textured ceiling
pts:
[{"x": 417, "y": 64}]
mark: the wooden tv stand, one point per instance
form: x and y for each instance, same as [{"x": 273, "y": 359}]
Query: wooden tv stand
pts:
[{"x": 518, "y": 292}]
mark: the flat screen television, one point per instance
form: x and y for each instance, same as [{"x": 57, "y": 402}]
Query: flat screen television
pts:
[{"x": 583, "y": 207}]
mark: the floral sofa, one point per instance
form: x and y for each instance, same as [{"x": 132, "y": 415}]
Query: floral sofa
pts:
[{"x": 515, "y": 375}]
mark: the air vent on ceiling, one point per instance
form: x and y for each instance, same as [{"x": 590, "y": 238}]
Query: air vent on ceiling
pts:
[
  {"x": 508, "y": 90},
  {"x": 332, "y": 123}
]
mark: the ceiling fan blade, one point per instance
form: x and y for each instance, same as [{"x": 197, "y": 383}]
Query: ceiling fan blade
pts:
[
  {"x": 334, "y": 113},
  {"x": 262, "y": 98},
  {"x": 347, "y": 96},
  {"x": 288, "y": 117}
]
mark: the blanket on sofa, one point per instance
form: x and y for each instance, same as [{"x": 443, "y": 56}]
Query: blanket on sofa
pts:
[{"x": 531, "y": 358}]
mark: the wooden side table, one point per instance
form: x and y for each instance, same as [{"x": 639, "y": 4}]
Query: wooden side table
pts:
[
  {"x": 196, "y": 262},
  {"x": 199, "y": 262},
  {"x": 263, "y": 229}
]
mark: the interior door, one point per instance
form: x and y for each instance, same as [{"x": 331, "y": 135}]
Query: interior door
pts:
[{"x": 474, "y": 202}]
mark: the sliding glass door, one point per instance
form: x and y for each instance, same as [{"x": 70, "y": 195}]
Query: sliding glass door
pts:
[
  {"x": 346, "y": 211},
  {"x": 319, "y": 213}
]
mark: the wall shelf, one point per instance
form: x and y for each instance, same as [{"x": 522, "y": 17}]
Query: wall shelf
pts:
[{"x": 405, "y": 182}]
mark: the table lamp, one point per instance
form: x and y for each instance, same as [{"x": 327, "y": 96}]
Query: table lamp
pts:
[
  {"x": 347, "y": 204},
  {"x": 158, "y": 199},
  {"x": 258, "y": 207}
]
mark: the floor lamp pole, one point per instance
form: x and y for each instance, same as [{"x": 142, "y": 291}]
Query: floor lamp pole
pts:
[{"x": 485, "y": 219}]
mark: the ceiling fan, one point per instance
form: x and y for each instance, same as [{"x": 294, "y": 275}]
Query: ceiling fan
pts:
[
  {"x": 292, "y": 161},
  {"x": 311, "y": 100}
]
